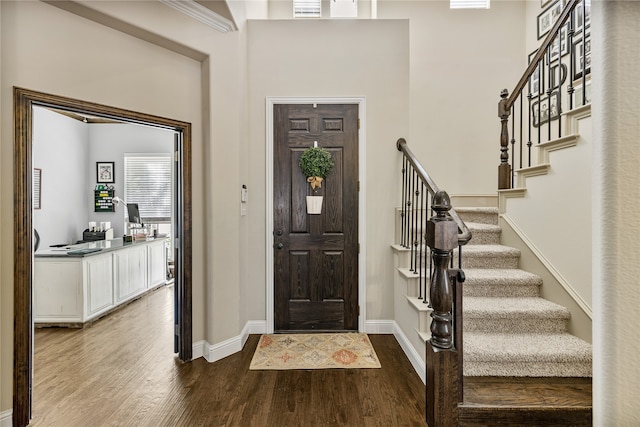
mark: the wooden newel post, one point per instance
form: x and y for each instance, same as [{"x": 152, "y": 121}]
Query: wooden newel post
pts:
[
  {"x": 504, "y": 170},
  {"x": 442, "y": 358}
]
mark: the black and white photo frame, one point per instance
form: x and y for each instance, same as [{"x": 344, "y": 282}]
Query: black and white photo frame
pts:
[
  {"x": 545, "y": 109},
  {"x": 535, "y": 82},
  {"x": 548, "y": 17},
  {"x": 582, "y": 57},
  {"x": 579, "y": 12},
  {"x": 105, "y": 172}
]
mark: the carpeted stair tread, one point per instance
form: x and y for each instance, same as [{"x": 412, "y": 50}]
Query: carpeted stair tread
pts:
[
  {"x": 505, "y": 308},
  {"x": 509, "y": 282},
  {"x": 525, "y": 347},
  {"x": 500, "y": 276},
  {"x": 515, "y": 315}
]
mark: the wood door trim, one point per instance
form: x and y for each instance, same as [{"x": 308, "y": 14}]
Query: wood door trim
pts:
[
  {"x": 24, "y": 100},
  {"x": 269, "y": 241}
]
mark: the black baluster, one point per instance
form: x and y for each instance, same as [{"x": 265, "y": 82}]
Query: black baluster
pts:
[
  {"x": 421, "y": 234},
  {"x": 413, "y": 178},
  {"x": 402, "y": 209},
  {"x": 513, "y": 143}
]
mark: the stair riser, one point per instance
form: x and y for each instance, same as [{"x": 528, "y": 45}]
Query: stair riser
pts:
[
  {"x": 481, "y": 217},
  {"x": 482, "y": 237},
  {"x": 514, "y": 324},
  {"x": 486, "y": 261},
  {"x": 499, "y": 291}
]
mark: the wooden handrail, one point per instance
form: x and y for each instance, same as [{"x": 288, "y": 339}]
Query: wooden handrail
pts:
[
  {"x": 533, "y": 64},
  {"x": 464, "y": 235}
]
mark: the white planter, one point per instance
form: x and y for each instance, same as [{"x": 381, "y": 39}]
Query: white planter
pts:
[{"x": 314, "y": 204}]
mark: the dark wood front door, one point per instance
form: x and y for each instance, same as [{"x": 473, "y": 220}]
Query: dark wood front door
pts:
[{"x": 316, "y": 256}]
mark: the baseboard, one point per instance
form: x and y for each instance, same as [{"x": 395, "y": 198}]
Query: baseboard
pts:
[
  {"x": 215, "y": 352},
  {"x": 550, "y": 267},
  {"x": 6, "y": 418},
  {"x": 379, "y": 326},
  {"x": 410, "y": 352}
]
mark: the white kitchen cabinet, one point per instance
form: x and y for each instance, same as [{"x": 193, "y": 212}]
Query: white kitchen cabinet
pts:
[
  {"x": 75, "y": 289},
  {"x": 157, "y": 261},
  {"x": 98, "y": 283},
  {"x": 131, "y": 272},
  {"x": 57, "y": 295}
]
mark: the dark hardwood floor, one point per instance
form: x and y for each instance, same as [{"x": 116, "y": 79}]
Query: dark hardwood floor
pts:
[{"x": 121, "y": 371}]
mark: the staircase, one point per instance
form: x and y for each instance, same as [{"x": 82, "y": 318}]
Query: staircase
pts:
[
  {"x": 521, "y": 366},
  {"x": 509, "y": 330}
]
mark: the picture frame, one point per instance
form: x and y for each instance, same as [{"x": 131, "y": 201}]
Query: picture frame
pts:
[
  {"x": 544, "y": 3},
  {"x": 105, "y": 172},
  {"x": 548, "y": 17},
  {"x": 577, "y": 94},
  {"x": 579, "y": 57},
  {"x": 558, "y": 75},
  {"x": 535, "y": 84},
  {"x": 560, "y": 46},
  {"x": 546, "y": 109},
  {"x": 584, "y": 6},
  {"x": 37, "y": 188}
]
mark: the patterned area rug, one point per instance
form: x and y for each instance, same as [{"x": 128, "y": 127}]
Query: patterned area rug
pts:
[{"x": 314, "y": 351}]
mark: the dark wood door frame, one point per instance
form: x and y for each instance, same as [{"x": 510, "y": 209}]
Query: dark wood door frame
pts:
[
  {"x": 24, "y": 100},
  {"x": 269, "y": 243}
]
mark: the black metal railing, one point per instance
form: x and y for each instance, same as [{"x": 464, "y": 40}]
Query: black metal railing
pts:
[
  {"x": 418, "y": 190},
  {"x": 554, "y": 82}
]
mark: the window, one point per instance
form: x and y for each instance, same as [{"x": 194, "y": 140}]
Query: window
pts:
[
  {"x": 147, "y": 180},
  {"x": 306, "y": 8},
  {"x": 343, "y": 8},
  {"x": 469, "y": 4}
]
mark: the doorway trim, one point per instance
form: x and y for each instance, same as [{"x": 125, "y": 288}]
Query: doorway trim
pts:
[
  {"x": 24, "y": 100},
  {"x": 362, "y": 173}
]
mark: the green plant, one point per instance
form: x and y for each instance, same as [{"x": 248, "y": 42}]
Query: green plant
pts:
[{"x": 316, "y": 163}]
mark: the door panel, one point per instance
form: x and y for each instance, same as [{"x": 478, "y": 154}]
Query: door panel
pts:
[{"x": 316, "y": 256}]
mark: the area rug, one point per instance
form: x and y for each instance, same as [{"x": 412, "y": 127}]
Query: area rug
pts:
[{"x": 314, "y": 351}]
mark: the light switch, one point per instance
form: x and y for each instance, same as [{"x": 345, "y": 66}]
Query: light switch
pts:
[{"x": 244, "y": 194}]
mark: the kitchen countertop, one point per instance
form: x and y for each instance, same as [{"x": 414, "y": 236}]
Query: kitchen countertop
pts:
[{"x": 92, "y": 248}]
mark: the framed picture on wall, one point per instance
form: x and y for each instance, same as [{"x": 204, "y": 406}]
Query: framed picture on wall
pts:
[
  {"x": 582, "y": 57},
  {"x": 535, "y": 86},
  {"x": 582, "y": 15},
  {"x": 545, "y": 109},
  {"x": 559, "y": 47},
  {"x": 105, "y": 172},
  {"x": 548, "y": 17},
  {"x": 580, "y": 98}
]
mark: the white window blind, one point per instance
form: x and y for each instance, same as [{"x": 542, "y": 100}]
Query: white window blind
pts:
[
  {"x": 469, "y": 4},
  {"x": 148, "y": 183},
  {"x": 306, "y": 8}
]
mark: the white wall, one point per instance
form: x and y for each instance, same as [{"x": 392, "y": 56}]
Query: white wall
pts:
[
  {"x": 67, "y": 151},
  {"x": 460, "y": 61},
  {"x": 616, "y": 203},
  {"x": 554, "y": 216},
  {"x": 109, "y": 143},
  {"x": 44, "y": 48},
  {"x": 330, "y": 58},
  {"x": 60, "y": 149}
]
